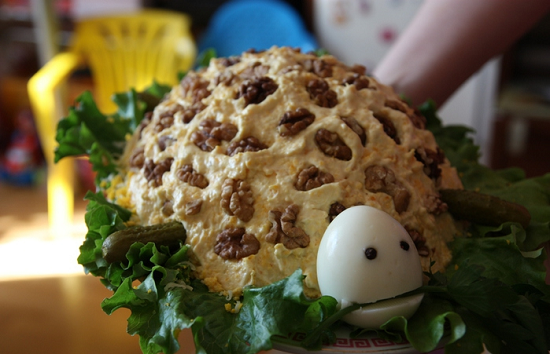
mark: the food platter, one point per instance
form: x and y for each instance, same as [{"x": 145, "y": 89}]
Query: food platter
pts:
[
  {"x": 155, "y": 275},
  {"x": 368, "y": 343}
]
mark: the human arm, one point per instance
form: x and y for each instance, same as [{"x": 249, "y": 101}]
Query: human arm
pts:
[{"x": 449, "y": 40}]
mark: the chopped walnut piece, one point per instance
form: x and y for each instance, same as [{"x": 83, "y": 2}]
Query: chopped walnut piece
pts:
[
  {"x": 331, "y": 145},
  {"x": 321, "y": 94},
  {"x": 397, "y": 105},
  {"x": 419, "y": 242},
  {"x": 416, "y": 118},
  {"x": 382, "y": 179},
  {"x": 335, "y": 209},
  {"x": 435, "y": 205},
  {"x": 389, "y": 128},
  {"x": 296, "y": 234},
  {"x": 295, "y": 121},
  {"x": 254, "y": 71},
  {"x": 276, "y": 234},
  {"x": 318, "y": 66},
  {"x": 166, "y": 119},
  {"x": 147, "y": 116},
  {"x": 189, "y": 112},
  {"x": 167, "y": 208},
  {"x": 187, "y": 174},
  {"x": 212, "y": 133},
  {"x": 230, "y": 61},
  {"x": 165, "y": 141},
  {"x": 359, "y": 69},
  {"x": 195, "y": 87},
  {"x": 193, "y": 208},
  {"x": 235, "y": 243},
  {"x": 226, "y": 78},
  {"x": 254, "y": 51},
  {"x": 255, "y": 91},
  {"x": 154, "y": 172},
  {"x": 283, "y": 228},
  {"x": 311, "y": 177},
  {"x": 354, "y": 125},
  {"x": 237, "y": 199},
  {"x": 359, "y": 81},
  {"x": 431, "y": 161},
  {"x": 138, "y": 158},
  {"x": 290, "y": 68},
  {"x": 248, "y": 144}
]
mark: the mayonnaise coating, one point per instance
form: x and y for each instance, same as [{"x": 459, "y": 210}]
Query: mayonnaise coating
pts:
[{"x": 256, "y": 154}]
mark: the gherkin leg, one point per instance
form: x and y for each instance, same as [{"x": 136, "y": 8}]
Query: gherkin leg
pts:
[
  {"x": 483, "y": 209},
  {"x": 118, "y": 243}
]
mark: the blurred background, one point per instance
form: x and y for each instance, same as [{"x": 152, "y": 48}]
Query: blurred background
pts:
[{"x": 46, "y": 304}]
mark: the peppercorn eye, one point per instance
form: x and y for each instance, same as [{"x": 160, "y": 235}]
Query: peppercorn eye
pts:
[
  {"x": 404, "y": 245},
  {"x": 371, "y": 253}
]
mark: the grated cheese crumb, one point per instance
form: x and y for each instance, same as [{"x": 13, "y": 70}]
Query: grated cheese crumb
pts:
[
  {"x": 118, "y": 191},
  {"x": 130, "y": 223},
  {"x": 238, "y": 306},
  {"x": 236, "y": 309},
  {"x": 179, "y": 284}
]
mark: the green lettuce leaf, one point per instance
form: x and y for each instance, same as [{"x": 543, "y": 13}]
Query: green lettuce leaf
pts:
[
  {"x": 159, "y": 312},
  {"x": 427, "y": 327},
  {"x": 493, "y": 293},
  {"x": 87, "y": 131},
  {"x": 102, "y": 219}
]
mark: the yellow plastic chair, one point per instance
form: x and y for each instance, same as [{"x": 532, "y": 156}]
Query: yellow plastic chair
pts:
[{"x": 122, "y": 52}]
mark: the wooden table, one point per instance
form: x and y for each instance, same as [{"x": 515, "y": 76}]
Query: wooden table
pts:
[{"x": 62, "y": 315}]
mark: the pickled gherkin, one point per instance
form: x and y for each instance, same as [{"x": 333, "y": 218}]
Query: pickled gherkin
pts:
[
  {"x": 483, "y": 209},
  {"x": 118, "y": 243}
]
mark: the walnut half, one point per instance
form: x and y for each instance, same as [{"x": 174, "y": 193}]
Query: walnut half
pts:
[
  {"x": 311, "y": 177},
  {"x": 331, "y": 145},
  {"x": 187, "y": 174},
  {"x": 419, "y": 242},
  {"x": 235, "y": 243},
  {"x": 154, "y": 172},
  {"x": 248, "y": 144},
  {"x": 283, "y": 229},
  {"x": 237, "y": 199},
  {"x": 295, "y": 121},
  {"x": 335, "y": 209},
  {"x": 256, "y": 90},
  {"x": 431, "y": 160},
  {"x": 321, "y": 94},
  {"x": 212, "y": 133},
  {"x": 382, "y": 179},
  {"x": 357, "y": 129},
  {"x": 388, "y": 127}
]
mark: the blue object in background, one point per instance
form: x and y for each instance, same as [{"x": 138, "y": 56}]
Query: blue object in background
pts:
[{"x": 240, "y": 25}]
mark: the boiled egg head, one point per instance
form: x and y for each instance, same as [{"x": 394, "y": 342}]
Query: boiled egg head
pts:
[{"x": 365, "y": 256}]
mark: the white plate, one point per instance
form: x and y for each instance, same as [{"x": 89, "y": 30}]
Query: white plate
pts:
[{"x": 344, "y": 344}]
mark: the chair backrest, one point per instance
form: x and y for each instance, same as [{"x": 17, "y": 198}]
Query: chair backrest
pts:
[
  {"x": 128, "y": 51},
  {"x": 240, "y": 25}
]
